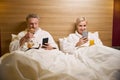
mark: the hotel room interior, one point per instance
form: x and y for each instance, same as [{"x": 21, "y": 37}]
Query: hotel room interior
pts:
[{"x": 58, "y": 17}]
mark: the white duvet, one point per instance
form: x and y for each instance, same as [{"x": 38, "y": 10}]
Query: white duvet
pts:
[{"x": 86, "y": 63}]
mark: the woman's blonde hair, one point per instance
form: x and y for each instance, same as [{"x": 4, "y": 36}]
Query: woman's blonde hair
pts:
[{"x": 78, "y": 20}]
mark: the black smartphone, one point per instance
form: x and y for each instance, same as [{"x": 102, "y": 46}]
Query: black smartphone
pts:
[
  {"x": 45, "y": 40},
  {"x": 85, "y": 34}
]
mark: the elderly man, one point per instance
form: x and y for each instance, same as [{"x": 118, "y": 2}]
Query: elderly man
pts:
[{"x": 33, "y": 36}]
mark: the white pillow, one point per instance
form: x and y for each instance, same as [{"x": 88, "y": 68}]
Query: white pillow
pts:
[
  {"x": 14, "y": 37},
  {"x": 61, "y": 42}
]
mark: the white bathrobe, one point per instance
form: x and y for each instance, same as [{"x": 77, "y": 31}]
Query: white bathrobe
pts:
[
  {"x": 67, "y": 44},
  {"x": 37, "y": 40}
]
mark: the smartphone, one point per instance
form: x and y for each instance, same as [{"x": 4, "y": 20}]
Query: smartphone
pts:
[
  {"x": 85, "y": 34},
  {"x": 45, "y": 40}
]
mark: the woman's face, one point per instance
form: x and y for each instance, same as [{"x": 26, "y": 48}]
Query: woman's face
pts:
[{"x": 81, "y": 26}]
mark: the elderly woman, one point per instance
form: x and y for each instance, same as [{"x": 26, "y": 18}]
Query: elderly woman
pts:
[
  {"x": 80, "y": 38},
  {"x": 88, "y": 48}
]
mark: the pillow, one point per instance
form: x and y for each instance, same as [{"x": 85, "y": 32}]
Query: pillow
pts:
[
  {"x": 14, "y": 37},
  {"x": 61, "y": 42}
]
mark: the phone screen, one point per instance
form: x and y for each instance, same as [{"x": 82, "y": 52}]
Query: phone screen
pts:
[
  {"x": 45, "y": 40},
  {"x": 85, "y": 34}
]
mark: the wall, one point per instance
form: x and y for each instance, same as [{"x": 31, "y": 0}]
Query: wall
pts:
[
  {"x": 0, "y": 41},
  {"x": 57, "y": 17},
  {"x": 116, "y": 24}
]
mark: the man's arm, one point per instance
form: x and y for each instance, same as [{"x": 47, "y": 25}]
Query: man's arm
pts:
[{"x": 15, "y": 43}]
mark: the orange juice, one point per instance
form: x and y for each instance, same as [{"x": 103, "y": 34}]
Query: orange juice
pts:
[{"x": 91, "y": 42}]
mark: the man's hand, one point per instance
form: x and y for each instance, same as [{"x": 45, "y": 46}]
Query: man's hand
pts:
[
  {"x": 47, "y": 46},
  {"x": 26, "y": 38}
]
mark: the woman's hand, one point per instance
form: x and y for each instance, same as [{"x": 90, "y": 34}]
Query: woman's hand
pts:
[{"x": 82, "y": 41}]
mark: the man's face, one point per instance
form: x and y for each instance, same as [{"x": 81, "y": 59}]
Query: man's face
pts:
[
  {"x": 81, "y": 27},
  {"x": 33, "y": 23}
]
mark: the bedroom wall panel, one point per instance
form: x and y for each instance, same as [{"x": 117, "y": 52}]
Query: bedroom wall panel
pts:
[
  {"x": 57, "y": 17},
  {"x": 116, "y": 24},
  {"x": 0, "y": 42}
]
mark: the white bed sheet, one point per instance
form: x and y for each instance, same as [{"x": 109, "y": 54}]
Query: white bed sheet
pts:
[{"x": 86, "y": 63}]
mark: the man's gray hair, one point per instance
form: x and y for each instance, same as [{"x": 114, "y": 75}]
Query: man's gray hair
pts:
[{"x": 32, "y": 16}]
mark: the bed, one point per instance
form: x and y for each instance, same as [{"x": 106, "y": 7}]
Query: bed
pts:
[{"x": 87, "y": 63}]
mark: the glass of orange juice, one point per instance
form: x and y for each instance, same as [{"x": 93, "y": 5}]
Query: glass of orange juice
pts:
[{"x": 91, "y": 42}]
